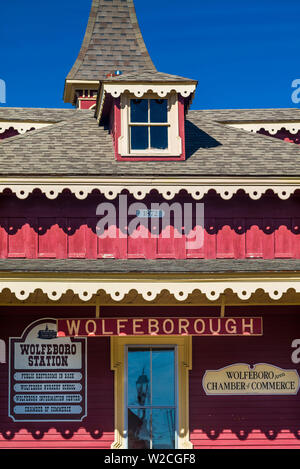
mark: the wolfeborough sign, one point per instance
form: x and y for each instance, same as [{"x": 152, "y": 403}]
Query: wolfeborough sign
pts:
[{"x": 195, "y": 326}]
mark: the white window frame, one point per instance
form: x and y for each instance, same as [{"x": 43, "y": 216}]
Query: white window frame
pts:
[
  {"x": 151, "y": 346},
  {"x": 174, "y": 139}
]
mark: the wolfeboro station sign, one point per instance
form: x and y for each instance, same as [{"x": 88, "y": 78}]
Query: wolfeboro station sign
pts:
[{"x": 204, "y": 326}]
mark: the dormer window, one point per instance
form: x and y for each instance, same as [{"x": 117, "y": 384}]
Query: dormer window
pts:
[
  {"x": 146, "y": 118},
  {"x": 148, "y": 125}
]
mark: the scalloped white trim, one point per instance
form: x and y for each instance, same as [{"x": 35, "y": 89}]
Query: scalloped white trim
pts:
[
  {"x": 149, "y": 289},
  {"x": 139, "y": 188},
  {"x": 162, "y": 90},
  {"x": 271, "y": 127},
  {"x": 22, "y": 127}
]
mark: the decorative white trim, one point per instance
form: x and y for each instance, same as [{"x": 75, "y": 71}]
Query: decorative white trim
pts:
[
  {"x": 140, "y": 89},
  {"x": 271, "y": 127},
  {"x": 149, "y": 288},
  {"x": 139, "y": 188},
  {"x": 22, "y": 127},
  {"x": 174, "y": 140}
]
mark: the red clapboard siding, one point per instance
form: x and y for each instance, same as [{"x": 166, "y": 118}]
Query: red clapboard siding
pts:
[
  {"x": 140, "y": 244},
  {"x": 230, "y": 238},
  {"x": 76, "y": 237},
  {"x": 255, "y": 440},
  {"x": 170, "y": 244},
  {"x": 283, "y": 239},
  {"x": 53, "y": 439},
  {"x": 52, "y": 238}
]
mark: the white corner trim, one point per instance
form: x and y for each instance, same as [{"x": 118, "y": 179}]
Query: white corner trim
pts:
[
  {"x": 139, "y": 90},
  {"x": 149, "y": 289},
  {"x": 22, "y": 127},
  {"x": 141, "y": 187},
  {"x": 271, "y": 127}
]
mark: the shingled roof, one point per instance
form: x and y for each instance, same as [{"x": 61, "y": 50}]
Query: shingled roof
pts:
[
  {"x": 151, "y": 266},
  {"x": 212, "y": 148},
  {"x": 113, "y": 41}
]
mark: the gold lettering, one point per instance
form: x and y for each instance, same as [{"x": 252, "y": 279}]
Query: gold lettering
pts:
[
  {"x": 73, "y": 328},
  {"x": 136, "y": 325},
  {"x": 171, "y": 330},
  {"x": 232, "y": 329},
  {"x": 183, "y": 325},
  {"x": 87, "y": 329},
  {"x": 104, "y": 332},
  {"x": 249, "y": 325},
  {"x": 211, "y": 325},
  {"x": 120, "y": 326},
  {"x": 153, "y": 326},
  {"x": 196, "y": 326}
]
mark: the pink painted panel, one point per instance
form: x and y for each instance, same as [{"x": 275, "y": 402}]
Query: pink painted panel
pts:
[
  {"x": 230, "y": 238},
  {"x": 17, "y": 237},
  {"x": 3, "y": 238},
  {"x": 295, "y": 234},
  {"x": 112, "y": 244},
  {"x": 170, "y": 244},
  {"x": 283, "y": 239},
  {"x": 140, "y": 244},
  {"x": 77, "y": 238},
  {"x": 254, "y": 239},
  {"x": 52, "y": 238}
]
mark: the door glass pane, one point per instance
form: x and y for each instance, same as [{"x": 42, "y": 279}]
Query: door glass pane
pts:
[
  {"x": 139, "y": 429},
  {"x": 139, "y": 110},
  {"x": 139, "y": 381},
  {"x": 139, "y": 138},
  {"x": 159, "y": 110},
  {"x": 163, "y": 377},
  {"x": 163, "y": 428},
  {"x": 159, "y": 137}
]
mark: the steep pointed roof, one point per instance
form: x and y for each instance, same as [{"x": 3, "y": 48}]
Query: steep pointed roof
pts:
[{"x": 113, "y": 41}]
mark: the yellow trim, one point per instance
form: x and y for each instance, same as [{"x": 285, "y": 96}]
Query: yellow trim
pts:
[{"x": 184, "y": 353}]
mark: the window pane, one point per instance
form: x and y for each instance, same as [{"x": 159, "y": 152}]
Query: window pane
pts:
[
  {"x": 139, "y": 110},
  {"x": 159, "y": 137},
  {"x": 139, "y": 429},
  {"x": 159, "y": 110},
  {"x": 139, "y": 138},
  {"x": 163, "y": 429},
  {"x": 163, "y": 378},
  {"x": 139, "y": 385}
]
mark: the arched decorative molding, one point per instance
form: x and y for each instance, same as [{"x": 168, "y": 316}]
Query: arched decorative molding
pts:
[
  {"x": 140, "y": 89},
  {"x": 150, "y": 287},
  {"x": 140, "y": 188}
]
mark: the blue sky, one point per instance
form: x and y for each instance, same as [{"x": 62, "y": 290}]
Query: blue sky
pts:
[{"x": 244, "y": 54}]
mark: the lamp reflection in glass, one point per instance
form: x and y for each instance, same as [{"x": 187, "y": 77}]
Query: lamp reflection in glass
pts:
[{"x": 142, "y": 387}]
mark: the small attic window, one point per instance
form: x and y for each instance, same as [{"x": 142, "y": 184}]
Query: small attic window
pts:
[
  {"x": 148, "y": 124},
  {"x": 150, "y": 127}
]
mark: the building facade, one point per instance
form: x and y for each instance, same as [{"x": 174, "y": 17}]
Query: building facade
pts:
[{"x": 149, "y": 261}]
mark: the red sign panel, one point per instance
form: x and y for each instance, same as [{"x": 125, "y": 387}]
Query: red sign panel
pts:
[{"x": 204, "y": 326}]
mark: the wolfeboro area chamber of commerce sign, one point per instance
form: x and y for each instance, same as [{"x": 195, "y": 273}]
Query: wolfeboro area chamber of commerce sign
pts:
[
  {"x": 194, "y": 326},
  {"x": 47, "y": 375},
  {"x": 241, "y": 379}
]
